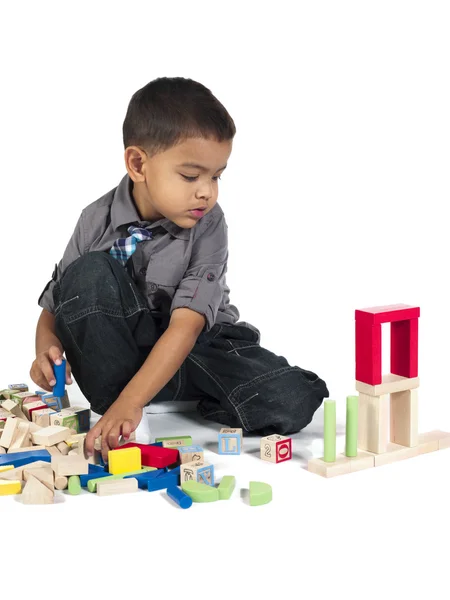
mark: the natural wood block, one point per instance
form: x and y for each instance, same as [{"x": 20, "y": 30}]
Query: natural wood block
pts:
[
  {"x": 43, "y": 474},
  {"x": 42, "y": 417},
  {"x": 21, "y": 434},
  {"x": 394, "y": 453},
  {"x": 17, "y": 473},
  {"x": 26, "y": 449},
  {"x": 373, "y": 423},
  {"x": 429, "y": 442},
  {"x": 50, "y": 436},
  {"x": 363, "y": 460},
  {"x": 14, "y": 408},
  {"x": 405, "y": 418},
  {"x": 29, "y": 406},
  {"x": 35, "y": 492},
  {"x": 70, "y": 465},
  {"x": 389, "y": 384},
  {"x": 2, "y": 450},
  {"x": 53, "y": 450},
  {"x": 276, "y": 448},
  {"x": 63, "y": 448},
  {"x": 61, "y": 482},
  {"x": 9, "y": 431},
  {"x": 117, "y": 486},
  {"x": 341, "y": 466},
  {"x": 200, "y": 471},
  {"x": 444, "y": 441}
]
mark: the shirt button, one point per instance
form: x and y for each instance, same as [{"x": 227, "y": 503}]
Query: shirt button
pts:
[
  {"x": 143, "y": 271},
  {"x": 211, "y": 277}
]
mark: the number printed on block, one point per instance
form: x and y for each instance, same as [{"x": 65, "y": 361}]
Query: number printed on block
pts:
[{"x": 276, "y": 448}]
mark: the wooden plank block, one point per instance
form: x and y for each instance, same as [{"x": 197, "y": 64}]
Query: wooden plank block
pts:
[
  {"x": 363, "y": 460},
  {"x": 394, "y": 453},
  {"x": 390, "y": 384},
  {"x": 9, "y": 431},
  {"x": 21, "y": 436},
  {"x": 373, "y": 423},
  {"x": 117, "y": 486},
  {"x": 50, "y": 436},
  {"x": 17, "y": 473},
  {"x": 405, "y": 418},
  {"x": 14, "y": 408},
  {"x": 429, "y": 442},
  {"x": 340, "y": 466},
  {"x": 70, "y": 465},
  {"x": 8, "y": 488}
]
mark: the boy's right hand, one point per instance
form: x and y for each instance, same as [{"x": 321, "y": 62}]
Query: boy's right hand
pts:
[{"x": 41, "y": 371}]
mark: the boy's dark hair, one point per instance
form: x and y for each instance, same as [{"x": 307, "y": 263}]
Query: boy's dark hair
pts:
[{"x": 168, "y": 110}]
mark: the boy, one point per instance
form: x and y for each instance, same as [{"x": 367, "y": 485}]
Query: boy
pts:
[{"x": 139, "y": 301}]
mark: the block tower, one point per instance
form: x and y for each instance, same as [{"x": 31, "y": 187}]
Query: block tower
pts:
[{"x": 387, "y": 410}]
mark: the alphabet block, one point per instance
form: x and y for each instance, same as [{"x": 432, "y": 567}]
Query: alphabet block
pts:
[
  {"x": 276, "y": 448},
  {"x": 199, "y": 471},
  {"x": 230, "y": 440}
]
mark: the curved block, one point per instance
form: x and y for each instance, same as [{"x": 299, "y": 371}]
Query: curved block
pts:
[
  {"x": 200, "y": 492},
  {"x": 260, "y": 493}
]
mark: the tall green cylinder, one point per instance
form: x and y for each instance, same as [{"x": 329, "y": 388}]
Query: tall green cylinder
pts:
[
  {"x": 351, "y": 428},
  {"x": 329, "y": 431}
]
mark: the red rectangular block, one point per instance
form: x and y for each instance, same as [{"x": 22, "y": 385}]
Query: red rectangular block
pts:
[
  {"x": 155, "y": 456},
  {"x": 377, "y": 315},
  {"x": 405, "y": 348},
  {"x": 368, "y": 352}
]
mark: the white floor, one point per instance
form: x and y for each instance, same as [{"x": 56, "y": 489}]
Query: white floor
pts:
[{"x": 347, "y": 536}]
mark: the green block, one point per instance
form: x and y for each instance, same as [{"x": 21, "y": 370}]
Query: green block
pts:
[
  {"x": 74, "y": 485},
  {"x": 92, "y": 483},
  {"x": 260, "y": 493},
  {"x": 226, "y": 487},
  {"x": 351, "y": 429},
  {"x": 329, "y": 431},
  {"x": 71, "y": 422},
  {"x": 200, "y": 492},
  {"x": 186, "y": 438}
]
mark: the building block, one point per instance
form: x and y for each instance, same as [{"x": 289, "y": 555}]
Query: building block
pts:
[
  {"x": 35, "y": 492},
  {"x": 389, "y": 385},
  {"x": 329, "y": 430},
  {"x": 19, "y": 459},
  {"x": 405, "y": 418},
  {"x": 200, "y": 471},
  {"x": 6, "y": 468},
  {"x": 9, "y": 431},
  {"x": 21, "y": 436},
  {"x": 226, "y": 487},
  {"x": 8, "y": 488},
  {"x": 260, "y": 493},
  {"x": 230, "y": 443},
  {"x": 276, "y": 448},
  {"x": 42, "y": 416},
  {"x": 155, "y": 456},
  {"x": 340, "y": 466},
  {"x": 120, "y": 486},
  {"x": 351, "y": 427},
  {"x": 18, "y": 387},
  {"x": 394, "y": 453},
  {"x": 92, "y": 483},
  {"x": 405, "y": 348},
  {"x": 84, "y": 418},
  {"x": 74, "y": 485},
  {"x": 65, "y": 418},
  {"x": 179, "y": 497},
  {"x": 179, "y": 440},
  {"x": 124, "y": 460},
  {"x": 69, "y": 465},
  {"x": 60, "y": 376},
  {"x": 191, "y": 454},
  {"x": 14, "y": 408},
  {"x": 200, "y": 492},
  {"x": 143, "y": 478},
  {"x": 373, "y": 423},
  {"x": 43, "y": 474},
  {"x": 376, "y": 315},
  {"x": 163, "y": 481},
  {"x": 50, "y": 436},
  {"x": 61, "y": 482},
  {"x": 85, "y": 478}
]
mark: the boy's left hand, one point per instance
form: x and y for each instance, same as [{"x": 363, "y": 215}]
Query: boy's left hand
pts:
[{"x": 121, "y": 419}]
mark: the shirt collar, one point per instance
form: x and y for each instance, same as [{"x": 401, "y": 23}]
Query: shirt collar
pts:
[{"x": 124, "y": 212}]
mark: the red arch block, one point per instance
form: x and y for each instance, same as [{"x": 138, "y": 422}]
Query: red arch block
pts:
[{"x": 404, "y": 320}]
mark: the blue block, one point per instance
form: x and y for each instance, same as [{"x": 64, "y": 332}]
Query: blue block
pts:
[
  {"x": 178, "y": 496},
  {"x": 227, "y": 437},
  {"x": 60, "y": 376},
  {"x": 18, "y": 459},
  {"x": 144, "y": 478},
  {"x": 40, "y": 393},
  {"x": 163, "y": 481},
  {"x": 95, "y": 468},
  {"x": 85, "y": 478},
  {"x": 157, "y": 444},
  {"x": 203, "y": 472}
]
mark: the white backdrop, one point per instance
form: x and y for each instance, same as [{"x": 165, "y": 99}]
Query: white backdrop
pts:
[{"x": 334, "y": 195}]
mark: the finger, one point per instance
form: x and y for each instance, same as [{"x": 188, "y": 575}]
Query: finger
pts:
[
  {"x": 92, "y": 435},
  {"x": 113, "y": 436},
  {"x": 68, "y": 373},
  {"x": 105, "y": 443},
  {"x": 38, "y": 377},
  {"x": 55, "y": 354},
  {"x": 127, "y": 429},
  {"x": 47, "y": 370}
]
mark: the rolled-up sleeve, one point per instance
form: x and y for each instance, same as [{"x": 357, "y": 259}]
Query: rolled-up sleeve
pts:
[
  {"x": 74, "y": 249},
  {"x": 202, "y": 286}
]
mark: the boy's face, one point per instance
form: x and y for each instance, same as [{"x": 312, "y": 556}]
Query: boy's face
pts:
[{"x": 163, "y": 187}]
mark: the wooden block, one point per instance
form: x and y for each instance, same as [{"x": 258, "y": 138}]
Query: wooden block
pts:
[
  {"x": 18, "y": 387},
  {"x": 63, "y": 448},
  {"x": 69, "y": 465},
  {"x": 200, "y": 471},
  {"x": 17, "y": 473},
  {"x": 394, "y": 453},
  {"x": 14, "y": 408},
  {"x": 230, "y": 441},
  {"x": 124, "y": 460},
  {"x": 53, "y": 450},
  {"x": 122, "y": 442},
  {"x": 21, "y": 436},
  {"x": 9, "y": 432},
  {"x": 341, "y": 466},
  {"x": 429, "y": 442},
  {"x": 444, "y": 442},
  {"x": 26, "y": 449},
  {"x": 43, "y": 474},
  {"x": 363, "y": 460},
  {"x": 2, "y": 450},
  {"x": 8, "y": 488},
  {"x": 390, "y": 384},
  {"x": 191, "y": 454},
  {"x": 34, "y": 427},
  {"x": 6, "y": 468},
  {"x": 38, "y": 404},
  {"x": 42, "y": 417},
  {"x": 276, "y": 448},
  {"x": 35, "y": 492},
  {"x": 61, "y": 482},
  {"x": 117, "y": 486},
  {"x": 373, "y": 423},
  {"x": 75, "y": 439},
  {"x": 65, "y": 418},
  {"x": 50, "y": 436},
  {"x": 405, "y": 418}
]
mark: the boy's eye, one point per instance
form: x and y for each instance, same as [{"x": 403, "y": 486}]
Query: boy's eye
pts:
[{"x": 194, "y": 178}]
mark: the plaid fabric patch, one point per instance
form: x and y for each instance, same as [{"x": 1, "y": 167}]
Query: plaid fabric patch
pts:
[{"x": 123, "y": 248}]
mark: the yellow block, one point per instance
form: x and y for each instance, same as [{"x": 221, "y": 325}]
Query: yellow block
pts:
[
  {"x": 6, "y": 468},
  {"x": 124, "y": 460},
  {"x": 10, "y": 487}
]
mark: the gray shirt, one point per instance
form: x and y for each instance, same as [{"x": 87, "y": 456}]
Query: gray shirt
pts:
[{"x": 175, "y": 268}]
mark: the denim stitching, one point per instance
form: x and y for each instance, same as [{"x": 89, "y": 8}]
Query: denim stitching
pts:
[
  {"x": 216, "y": 380},
  {"x": 134, "y": 294},
  {"x": 104, "y": 310},
  {"x": 263, "y": 377},
  {"x": 241, "y": 348},
  {"x": 61, "y": 304}
]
